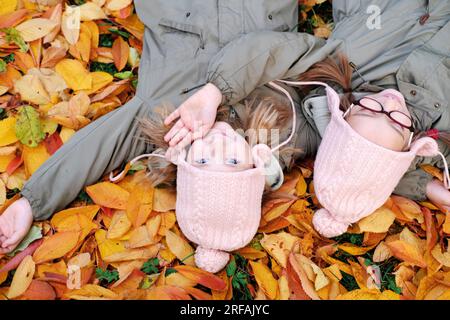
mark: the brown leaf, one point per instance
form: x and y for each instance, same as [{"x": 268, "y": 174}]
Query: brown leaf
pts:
[{"x": 120, "y": 51}]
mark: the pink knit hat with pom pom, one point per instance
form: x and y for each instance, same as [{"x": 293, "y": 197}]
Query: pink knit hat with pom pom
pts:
[
  {"x": 353, "y": 176},
  {"x": 219, "y": 211}
]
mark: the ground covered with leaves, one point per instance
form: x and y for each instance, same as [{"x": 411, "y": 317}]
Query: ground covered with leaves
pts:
[{"x": 121, "y": 240}]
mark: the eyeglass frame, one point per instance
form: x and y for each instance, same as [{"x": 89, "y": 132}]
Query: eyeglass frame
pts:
[{"x": 388, "y": 114}]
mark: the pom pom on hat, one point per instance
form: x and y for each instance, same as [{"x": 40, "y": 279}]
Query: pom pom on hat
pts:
[
  {"x": 211, "y": 260},
  {"x": 327, "y": 225}
]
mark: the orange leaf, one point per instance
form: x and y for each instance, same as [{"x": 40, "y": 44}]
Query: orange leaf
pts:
[
  {"x": 265, "y": 279},
  {"x": 140, "y": 203},
  {"x": 406, "y": 252},
  {"x": 202, "y": 277},
  {"x": 56, "y": 246},
  {"x": 120, "y": 51},
  {"x": 39, "y": 290},
  {"x": 108, "y": 195}
]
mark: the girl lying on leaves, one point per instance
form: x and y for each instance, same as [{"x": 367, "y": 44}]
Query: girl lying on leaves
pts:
[{"x": 408, "y": 54}]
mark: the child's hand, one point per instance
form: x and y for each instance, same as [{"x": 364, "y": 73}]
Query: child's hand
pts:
[
  {"x": 438, "y": 194},
  {"x": 15, "y": 223},
  {"x": 196, "y": 116}
]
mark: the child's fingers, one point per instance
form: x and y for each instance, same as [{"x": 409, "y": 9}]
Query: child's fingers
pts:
[
  {"x": 172, "y": 132},
  {"x": 6, "y": 250},
  {"x": 13, "y": 240},
  {"x": 172, "y": 117},
  {"x": 200, "y": 132},
  {"x": 186, "y": 141},
  {"x": 179, "y": 136}
]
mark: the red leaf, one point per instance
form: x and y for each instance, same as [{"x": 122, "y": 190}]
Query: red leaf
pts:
[
  {"x": 14, "y": 262},
  {"x": 14, "y": 164},
  {"x": 53, "y": 143}
]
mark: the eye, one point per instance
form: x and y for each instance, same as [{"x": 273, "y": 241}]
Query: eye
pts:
[
  {"x": 233, "y": 162},
  {"x": 202, "y": 161}
]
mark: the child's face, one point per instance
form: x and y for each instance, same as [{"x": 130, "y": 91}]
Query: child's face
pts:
[
  {"x": 377, "y": 127},
  {"x": 222, "y": 150}
]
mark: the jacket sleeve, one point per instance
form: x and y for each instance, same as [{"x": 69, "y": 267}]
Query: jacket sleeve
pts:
[{"x": 260, "y": 57}]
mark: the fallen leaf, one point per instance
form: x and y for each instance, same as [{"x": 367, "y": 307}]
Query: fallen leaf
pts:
[
  {"x": 180, "y": 247},
  {"x": 119, "y": 225},
  {"x": 378, "y": 222},
  {"x": 34, "y": 29},
  {"x": 109, "y": 195},
  {"x": 56, "y": 246},
  {"x": 22, "y": 278},
  {"x": 202, "y": 277},
  {"x": 120, "y": 51}
]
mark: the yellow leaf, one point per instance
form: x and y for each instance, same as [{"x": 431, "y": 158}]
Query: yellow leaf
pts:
[
  {"x": 168, "y": 220},
  {"x": 108, "y": 195},
  {"x": 355, "y": 250},
  {"x": 164, "y": 199},
  {"x": 321, "y": 280},
  {"x": 115, "y": 5},
  {"x": 108, "y": 247},
  {"x": 100, "y": 80},
  {"x": 265, "y": 279},
  {"x": 2, "y": 193},
  {"x": 88, "y": 211},
  {"x": 66, "y": 134},
  {"x": 22, "y": 278},
  {"x": 176, "y": 279},
  {"x": 134, "y": 254},
  {"x": 75, "y": 75},
  {"x": 8, "y": 6},
  {"x": 58, "y": 268},
  {"x": 378, "y": 222},
  {"x": 279, "y": 246},
  {"x": 33, "y": 158},
  {"x": 8, "y": 131},
  {"x": 70, "y": 24},
  {"x": 180, "y": 247},
  {"x": 91, "y": 11},
  {"x": 251, "y": 253},
  {"x": 92, "y": 291},
  {"x": 119, "y": 225},
  {"x": 56, "y": 246},
  {"x": 442, "y": 257},
  {"x": 301, "y": 186},
  {"x": 283, "y": 287},
  {"x": 139, "y": 238},
  {"x": 277, "y": 211},
  {"x": 366, "y": 294},
  {"x": 34, "y": 29},
  {"x": 446, "y": 226}
]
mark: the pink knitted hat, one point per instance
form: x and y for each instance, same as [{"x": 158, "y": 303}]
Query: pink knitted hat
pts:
[
  {"x": 353, "y": 176},
  {"x": 219, "y": 211}
]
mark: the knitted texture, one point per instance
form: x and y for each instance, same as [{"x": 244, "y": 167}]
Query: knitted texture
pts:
[
  {"x": 218, "y": 210},
  {"x": 211, "y": 260},
  {"x": 353, "y": 176}
]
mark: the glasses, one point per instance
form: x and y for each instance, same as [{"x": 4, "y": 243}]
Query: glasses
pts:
[{"x": 400, "y": 118}]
